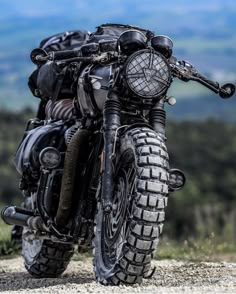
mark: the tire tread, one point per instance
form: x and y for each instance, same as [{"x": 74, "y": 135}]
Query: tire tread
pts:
[
  {"x": 148, "y": 208},
  {"x": 51, "y": 261}
]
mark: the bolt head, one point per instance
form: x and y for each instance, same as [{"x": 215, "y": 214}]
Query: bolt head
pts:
[{"x": 171, "y": 101}]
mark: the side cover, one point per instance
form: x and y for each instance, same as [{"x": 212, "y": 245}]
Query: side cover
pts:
[{"x": 27, "y": 154}]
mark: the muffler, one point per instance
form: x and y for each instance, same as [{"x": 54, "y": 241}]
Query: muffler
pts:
[{"x": 13, "y": 215}]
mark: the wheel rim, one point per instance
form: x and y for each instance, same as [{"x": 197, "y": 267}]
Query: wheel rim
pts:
[
  {"x": 32, "y": 247},
  {"x": 31, "y": 244},
  {"x": 115, "y": 225}
]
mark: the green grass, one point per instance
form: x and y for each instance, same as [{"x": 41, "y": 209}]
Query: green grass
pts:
[
  {"x": 208, "y": 249},
  {"x": 7, "y": 248},
  {"x": 4, "y": 231}
]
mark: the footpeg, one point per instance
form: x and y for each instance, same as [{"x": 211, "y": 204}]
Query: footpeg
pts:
[{"x": 176, "y": 180}]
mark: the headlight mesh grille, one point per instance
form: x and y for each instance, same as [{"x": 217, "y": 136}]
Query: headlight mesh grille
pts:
[{"x": 147, "y": 73}]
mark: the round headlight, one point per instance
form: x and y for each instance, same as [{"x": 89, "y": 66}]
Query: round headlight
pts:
[
  {"x": 147, "y": 74},
  {"x": 131, "y": 41},
  {"x": 49, "y": 157}
]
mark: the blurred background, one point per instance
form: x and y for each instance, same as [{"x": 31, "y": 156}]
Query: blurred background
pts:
[{"x": 201, "y": 127}]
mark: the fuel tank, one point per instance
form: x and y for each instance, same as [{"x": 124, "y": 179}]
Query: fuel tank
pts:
[{"x": 92, "y": 88}]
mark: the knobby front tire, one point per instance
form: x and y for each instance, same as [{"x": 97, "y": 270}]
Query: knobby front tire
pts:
[{"x": 125, "y": 241}]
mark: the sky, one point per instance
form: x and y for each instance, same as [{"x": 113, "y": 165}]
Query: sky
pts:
[
  {"x": 25, "y": 23},
  {"x": 95, "y": 11}
]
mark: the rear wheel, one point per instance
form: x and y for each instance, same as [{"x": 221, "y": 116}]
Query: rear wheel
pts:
[
  {"x": 44, "y": 258},
  {"x": 126, "y": 238},
  {"x": 16, "y": 235}
]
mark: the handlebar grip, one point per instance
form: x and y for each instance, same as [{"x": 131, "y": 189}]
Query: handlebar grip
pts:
[
  {"x": 86, "y": 50},
  {"x": 66, "y": 54}
]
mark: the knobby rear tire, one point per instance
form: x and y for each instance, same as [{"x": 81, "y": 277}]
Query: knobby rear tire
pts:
[
  {"x": 50, "y": 261},
  {"x": 145, "y": 222},
  {"x": 44, "y": 258}
]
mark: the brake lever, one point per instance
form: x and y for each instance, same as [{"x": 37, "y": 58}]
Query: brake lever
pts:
[
  {"x": 187, "y": 72},
  {"x": 184, "y": 70}
]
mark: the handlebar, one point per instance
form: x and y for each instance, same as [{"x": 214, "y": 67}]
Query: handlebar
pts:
[
  {"x": 40, "y": 56},
  {"x": 84, "y": 54},
  {"x": 66, "y": 54},
  {"x": 186, "y": 72},
  {"x": 88, "y": 54}
]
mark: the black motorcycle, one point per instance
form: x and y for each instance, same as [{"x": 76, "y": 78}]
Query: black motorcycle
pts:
[{"x": 102, "y": 179}]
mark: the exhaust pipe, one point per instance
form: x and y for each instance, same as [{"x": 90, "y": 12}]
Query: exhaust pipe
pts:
[
  {"x": 76, "y": 152},
  {"x": 13, "y": 215}
]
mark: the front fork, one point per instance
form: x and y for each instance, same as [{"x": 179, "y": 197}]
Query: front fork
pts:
[
  {"x": 157, "y": 119},
  {"x": 111, "y": 122}
]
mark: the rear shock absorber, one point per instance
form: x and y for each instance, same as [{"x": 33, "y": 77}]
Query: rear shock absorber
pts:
[{"x": 111, "y": 121}]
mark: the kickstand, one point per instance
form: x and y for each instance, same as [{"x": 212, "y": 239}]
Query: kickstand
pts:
[{"x": 150, "y": 273}]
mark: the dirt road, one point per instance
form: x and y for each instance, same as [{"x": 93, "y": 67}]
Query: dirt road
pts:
[{"x": 170, "y": 277}]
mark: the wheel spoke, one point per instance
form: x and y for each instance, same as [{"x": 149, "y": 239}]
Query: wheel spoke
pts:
[{"x": 115, "y": 224}]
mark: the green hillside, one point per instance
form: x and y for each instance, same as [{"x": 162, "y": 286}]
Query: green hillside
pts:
[{"x": 205, "y": 151}]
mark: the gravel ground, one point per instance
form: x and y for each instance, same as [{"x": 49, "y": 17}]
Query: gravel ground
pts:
[{"x": 170, "y": 277}]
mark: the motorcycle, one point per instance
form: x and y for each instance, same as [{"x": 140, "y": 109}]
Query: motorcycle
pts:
[{"x": 102, "y": 179}]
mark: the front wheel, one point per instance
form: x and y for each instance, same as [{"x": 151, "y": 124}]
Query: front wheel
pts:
[{"x": 126, "y": 238}]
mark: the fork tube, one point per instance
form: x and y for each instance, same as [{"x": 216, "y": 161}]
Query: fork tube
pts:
[
  {"x": 157, "y": 117},
  {"x": 111, "y": 121}
]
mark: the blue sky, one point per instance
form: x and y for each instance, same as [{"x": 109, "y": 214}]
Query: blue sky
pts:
[
  {"x": 93, "y": 12},
  {"x": 203, "y": 31}
]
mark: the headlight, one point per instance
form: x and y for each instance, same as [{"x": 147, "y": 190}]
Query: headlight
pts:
[
  {"x": 147, "y": 74},
  {"x": 49, "y": 158}
]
